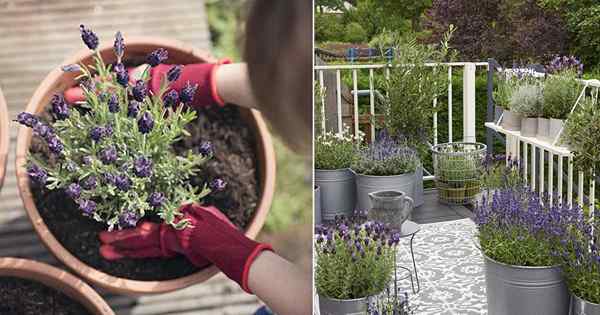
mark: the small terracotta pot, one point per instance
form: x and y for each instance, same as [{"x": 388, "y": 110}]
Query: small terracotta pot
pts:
[
  {"x": 4, "y": 137},
  {"x": 56, "y": 279},
  {"x": 58, "y": 81}
]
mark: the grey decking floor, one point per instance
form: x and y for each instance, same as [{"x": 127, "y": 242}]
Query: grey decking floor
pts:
[{"x": 432, "y": 211}]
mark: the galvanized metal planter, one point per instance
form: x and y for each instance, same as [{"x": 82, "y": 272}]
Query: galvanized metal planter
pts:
[
  {"x": 511, "y": 121},
  {"x": 543, "y": 129},
  {"x": 317, "y": 202},
  {"x": 554, "y": 128},
  {"x": 529, "y": 127},
  {"x": 391, "y": 207},
  {"x": 498, "y": 111},
  {"x": 366, "y": 184},
  {"x": 580, "y": 306},
  {"x": 418, "y": 195},
  {"x": 338, "y": 192},
  {"x": 525, "y": 290},
  {"x": 331, "y": 306}
]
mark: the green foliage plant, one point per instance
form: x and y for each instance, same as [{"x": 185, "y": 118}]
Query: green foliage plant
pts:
[
  {"x": 527, "y": 100},
  {"x": 582, "y": 134},
  {"x": 355, "y": 33},
  {"x": 336, "y": 150},
  {"x": 560, "y": 93}
]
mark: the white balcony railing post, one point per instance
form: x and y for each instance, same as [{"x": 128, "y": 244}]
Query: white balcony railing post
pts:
[{"x": 469, "y": 102}]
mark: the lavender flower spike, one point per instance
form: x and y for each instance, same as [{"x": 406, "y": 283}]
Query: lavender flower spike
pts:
[
  {"x": 113, "y": 103},
  {"x": 71, "y": 68},
  {"x": 157, "y": 57},
  {"x": 123, "y": 182},
  {"x": 139, "y": 91},
  {"x": 174, "y": 73},
  {"x": 128, "y": 219},
  {"x": 171, "y": 98},
  {"x": 55, "y": 145},
  {"x": 27, "y": 119},
  {"x": 89, "y": 38},
  {"x": 37, "y": 174},
  {"x": 121, "y": 74},
  {"x": 142, "y": 167},
  {"x": 218, "y": 184},
  {"x": 108, "y": 155},
  {"x": 119, "y": 46},
  {"x": 146, "y": 123},
  {"x": 133, "y": 109},
  {"x": 73, "y": 190},
  {"x": 156, "y": 199},
  {"x": 186, "y": 95},
  {"x": 59, "y": 106},
  {"x": 206, "y": 148},
  {"x": 87, "y": 207}
]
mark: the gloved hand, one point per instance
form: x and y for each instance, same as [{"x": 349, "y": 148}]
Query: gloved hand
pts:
[
  {"x": 201, "y": 74},
  {"x": 211, "y": 238}
]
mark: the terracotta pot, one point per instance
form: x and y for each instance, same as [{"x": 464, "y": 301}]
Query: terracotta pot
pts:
[
  {"x": 56, "y": 279},
  {"x": 57, "y": 81},
  {"x": 4, "y": 137}
]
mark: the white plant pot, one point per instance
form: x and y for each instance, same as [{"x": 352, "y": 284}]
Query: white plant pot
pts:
[
  {"x": 543, "y": 129},
  {"x": 529, "y": 127}
]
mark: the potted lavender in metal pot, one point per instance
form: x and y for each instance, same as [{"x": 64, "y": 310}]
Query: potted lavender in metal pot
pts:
[
  {"x": 354, "y": 261},
  {"x": 518, "y": 236},
  {"x": 386, "y": 164}
]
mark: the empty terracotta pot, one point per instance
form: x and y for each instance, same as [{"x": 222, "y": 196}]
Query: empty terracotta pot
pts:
[
  {"x": 56, "y": 279},
  {"x": 4, "y": 137},
  {"x": 58, "y": 81}
]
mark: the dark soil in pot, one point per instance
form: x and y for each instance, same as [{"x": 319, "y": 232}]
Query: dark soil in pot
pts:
[
  {"x": 234, "y": 161},
  {"x": 26, "y": 297}
]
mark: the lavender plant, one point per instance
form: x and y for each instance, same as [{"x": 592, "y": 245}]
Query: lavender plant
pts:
[
  {"x": 354, "y": 259},
  {"x": 112, "y": 153},
  {"x": 560, "y": 93},
  {"x": 562, "y": 63},
  {"x": 336, "y": 150},
  {"x": 516, "y": 228},
  {"x": 527, "y": 100},
  {"x": 385, "y": 157}
]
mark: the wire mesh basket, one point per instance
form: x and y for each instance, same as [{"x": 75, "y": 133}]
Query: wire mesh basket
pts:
[{"x": 457, "y": 168}]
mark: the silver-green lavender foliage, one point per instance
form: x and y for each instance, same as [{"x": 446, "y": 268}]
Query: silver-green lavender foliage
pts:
[
  {"x": 335, "y": 150},
  {"x": 560, "y": 93},
  {"x": 527, "y": 100},
  {"x": 385, "y": 157},
  {"x": 116, "y": 161}
]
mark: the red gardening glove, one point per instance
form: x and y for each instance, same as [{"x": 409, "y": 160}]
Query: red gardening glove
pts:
[{"x": 212, "y": 238}]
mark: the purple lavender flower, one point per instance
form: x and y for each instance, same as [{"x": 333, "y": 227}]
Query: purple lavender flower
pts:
[
  {"x": 97, "y": 133},
  {"x": 71, "y": 68},
  {"x": 171, "y": 98},
  {"x": 133, "y": 109},
  {"x": 55, "y": 145},
  {"x": 128, "y": 219},
  {"x": 37, "y": 174},
  {"x": 119, "y": 46},
  {"x": 27, "y": 119},
  {"x": 206, "y": 148},
  {"x": 88, "y": 207},
  {"x": 43, "y": 130},
  {"x": 73, "y": 191},
  {"x": 109, "y": 178},
  {"x": 146, "y": 123},
  {"x": 217, "y": 184},
  {"x": 123, "y": 182},
  {"x": 122, "y": 74},
  {"x": 108, "y": 155},
  {"x": 174, "y": 73},
  {"x": 113, "y": 103},
  {"x": 186, "y": 95},
  {"x": 59, "y": 106},
  {"x": 156, "y": 199},
  {"x": 139, "y": 91},
  {"x": 87, "y": 160},
  {"x": 108, "y": 130},
  {"x": 157, "y": 57},
  {"x": 89, "y": 38},
  {"x": 89, "y": 183},
  {"x": 142, "y": 167}
]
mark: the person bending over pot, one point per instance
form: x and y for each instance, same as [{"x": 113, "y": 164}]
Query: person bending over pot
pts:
[{"x": 276, "y": 80}]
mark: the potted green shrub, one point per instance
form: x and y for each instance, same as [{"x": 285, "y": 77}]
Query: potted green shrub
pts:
[
  {"x": 502, "y": 94},
  {"x": 560, "y": 94},
  {"x": 457, "y": 168},
  {"x": 354, "y": 261},
  {"x": 582, "y": 137},
  {"x": 499, "y": 174},
  {"x": 518, "y": 235},
  {"x": 526, "y": 101},
  {"x": 386, "y": 164},
  {"x": 334, "y": 153}
]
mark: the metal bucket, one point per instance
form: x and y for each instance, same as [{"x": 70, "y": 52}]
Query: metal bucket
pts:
[
  {"x": 390, "y": 206},
  {"x": 511, "y": 121},
  {"x": 543, "y": 129},
  {"x": 418, "y": 195},
  {"x": 317, "y": 201},
  {"x": 582, "y": 307},
  {"x": 338, "y": 192},
  {"x": 529, "y": 127},
  {"x": 525, "y": 290},
  {"x": 554, "y": 128},
  {"x": 366, "y": 184},
  {"x": 331, "y": 306}
]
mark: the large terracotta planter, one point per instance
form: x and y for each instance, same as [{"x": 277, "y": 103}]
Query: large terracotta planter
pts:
[
  {"x": 4, "y": 137},
  {"x": 57, "y": 279},
  {"x": 57, "y": 80}
]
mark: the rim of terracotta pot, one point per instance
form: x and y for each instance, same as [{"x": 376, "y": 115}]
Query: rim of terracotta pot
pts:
[
  {"x": 57, "y": 80},
  {"x": 4, "y": 137},
  {"x": 56, "y": 279}
]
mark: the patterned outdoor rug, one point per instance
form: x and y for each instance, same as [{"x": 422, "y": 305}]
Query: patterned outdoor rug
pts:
[{"x": 450, "y": 269}]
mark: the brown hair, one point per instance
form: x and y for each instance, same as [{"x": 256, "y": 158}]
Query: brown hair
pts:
[{"x": 278, "y": 50}]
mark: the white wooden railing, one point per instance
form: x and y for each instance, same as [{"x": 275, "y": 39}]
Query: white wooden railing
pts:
[{"x": 469, "y": 104}]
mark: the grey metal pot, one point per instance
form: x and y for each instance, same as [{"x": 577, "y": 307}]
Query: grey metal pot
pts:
[
  {"x": 418, "y": 195},
  {"x": 511, "y": 121},
  {"x": 338, "y": 192},
  {"x": 543, "y": 129},
  {"x": 391, "y": 207},
  {"x": 580, "y": 306},
  {"x": 366, "y": 184},
  {"x": 529, "y": 127},
  {"x": 554, "y": 128},
  {"x": 331, "y": 306},
  {"x": 317, "y": 201},
  {"x": 497, "y": 113},
  {"x": 525, "y": 290}
]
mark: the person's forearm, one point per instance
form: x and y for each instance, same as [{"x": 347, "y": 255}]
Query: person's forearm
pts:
[
  {"x": 281, "y": 285},
  {"x": 233, "y": 85}
]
